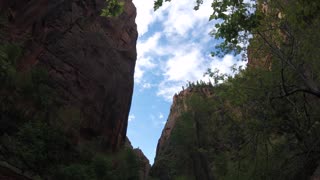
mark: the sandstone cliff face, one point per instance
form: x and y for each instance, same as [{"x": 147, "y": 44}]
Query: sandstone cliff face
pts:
[
  {"x": 90, "y": 58},
  {"x": 173, "y": 159},
  {"x": 175, "y": 112},
  {"x": 208, "y": 136},
  {"x": 144, "y": 164},
  {"x": 179, "y": 105}
]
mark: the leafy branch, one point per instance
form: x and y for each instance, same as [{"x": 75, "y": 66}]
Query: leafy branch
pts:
[{"x": 113, "y": 8}]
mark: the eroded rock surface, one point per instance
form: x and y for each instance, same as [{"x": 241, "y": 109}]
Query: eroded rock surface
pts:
[
  {"x": 173, "y": 159},
  {"x": 179, "y": 106},
  {"x": 90, "y": 58},
  {"x": 145, "y": 166}
]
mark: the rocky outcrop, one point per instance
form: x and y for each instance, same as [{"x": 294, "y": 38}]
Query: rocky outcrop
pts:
[
  {"x": 175, "y": 156},
  {"x": 89, "y": 58},
  {"x": 144, "y": 164},
  {"x": 175, "y": 112},
  {"x": 206, "y": 137},
  {"x": 179, "y": 105}
]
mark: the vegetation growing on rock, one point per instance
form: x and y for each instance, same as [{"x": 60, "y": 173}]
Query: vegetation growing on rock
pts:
[
  {"x": 52, "y": 125},
  {"x": 39, "y": 136},
  {"x": 263, "y": 123}
]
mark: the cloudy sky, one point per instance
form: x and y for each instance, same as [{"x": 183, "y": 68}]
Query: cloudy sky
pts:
[{"x": 173, "y": 48}]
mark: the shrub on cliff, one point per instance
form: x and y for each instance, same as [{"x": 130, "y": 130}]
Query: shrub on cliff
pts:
[
  {"x": 39, "y": 136},
  {"x": 120, "y": 166}
]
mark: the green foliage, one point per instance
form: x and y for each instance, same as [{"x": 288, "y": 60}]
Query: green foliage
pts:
[
  {"x": 48, "y": 152},
  {"x": 121, "y": 166},
  {"x": 23, "y": 95},
  {"x": 158, "y": 4},
  {"x": 246, "y": 130},
  {"x": 270, "y": 137},
  {"x": 9, "y": 55},
  {"x": 258, "y": 135},
  {"x": 36, "y": 144},
  {"x": 113, "y": 9},
  {"x": 73, "y": 172},
  {"x": 183, "y": 136},
  {"x": 238, "y": 20},
  {"x": 40, "y": 136},
  {"x": 100, "y": 166}
]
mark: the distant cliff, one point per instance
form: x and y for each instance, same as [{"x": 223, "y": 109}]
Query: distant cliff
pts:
[
  {"x": 230, "y": 132},
  {"x": 262, "y": 123},
  {"x": 144, "y": 165},
  {"x": 179, "y": 150}
]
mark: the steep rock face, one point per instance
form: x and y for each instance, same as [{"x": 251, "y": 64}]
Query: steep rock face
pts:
[
  {"x": 175, "y": 112},
  {"x": 172, "y": 157},
  {"x": 179, "y": 105},
  {"x": 90, "y": 58},
  {"x": 144, "y": 163}
]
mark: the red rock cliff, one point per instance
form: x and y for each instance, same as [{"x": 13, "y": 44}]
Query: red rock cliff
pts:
[
  {"x": 90, "y": 58},
  {"x": 179, "y": 105},
  {"x": 168, "y": 163}
]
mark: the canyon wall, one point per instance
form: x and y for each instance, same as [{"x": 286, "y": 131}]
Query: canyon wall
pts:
[
  {"x": 89, "y": 58},
  {"x": 184, "y": 135},
  {"x": 88, "y": 62}
]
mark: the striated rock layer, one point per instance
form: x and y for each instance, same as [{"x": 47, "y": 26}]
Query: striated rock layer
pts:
[{"x": 90, "y": 58}]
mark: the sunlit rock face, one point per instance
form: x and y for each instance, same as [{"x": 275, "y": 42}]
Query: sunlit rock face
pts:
[
  {"x": 89, "y": 58},
  {"x": 179, "y": 106}
]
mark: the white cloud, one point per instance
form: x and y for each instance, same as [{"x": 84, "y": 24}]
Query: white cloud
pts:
[
  {"x": 192, "y": 68},
  {"x": 167, "y": 89},
  {"x": 149, "y": 45},
  {"x": 185, "y": 65},
  {"x": 146, "y": 85},
  {"x": 178, "y": 47},
  {"x": 131, "y": 117},
  {"x": 182, "y": 18},
  {"x": 224, "y": 64},
  {"x": 173, "y": 48},
  {"x": 144, "y": 57},
  {"x": 138, "y": 73},
  {"x": 146, "y": 15},
  {"x": 160, "y": 115}
]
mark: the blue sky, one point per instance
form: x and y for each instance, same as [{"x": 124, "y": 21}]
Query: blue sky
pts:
[{"x": 173, "y": 48}]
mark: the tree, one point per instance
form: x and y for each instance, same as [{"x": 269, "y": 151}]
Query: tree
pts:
[
  {"x": 273, "y": 105},
  {"x": 113, "y": 8},
  {"x": 283, "y": 29}
]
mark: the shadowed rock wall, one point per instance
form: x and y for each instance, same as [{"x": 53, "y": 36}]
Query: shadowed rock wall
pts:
[{"x": 89, "y": 58}]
